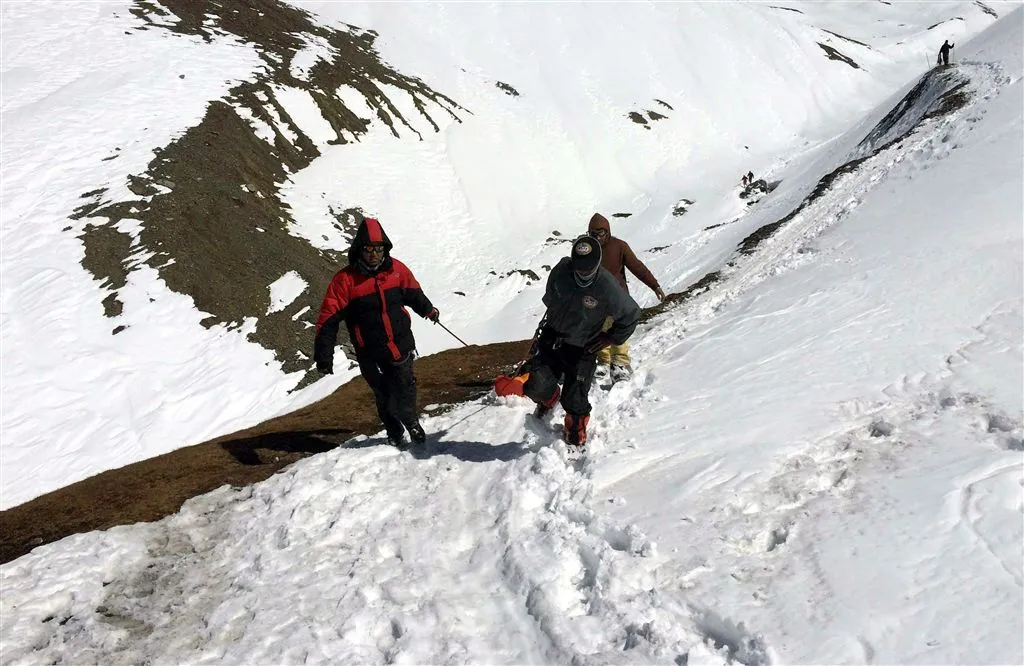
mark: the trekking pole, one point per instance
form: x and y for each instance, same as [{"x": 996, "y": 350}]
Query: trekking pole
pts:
[{"x": 452, "y": 334}]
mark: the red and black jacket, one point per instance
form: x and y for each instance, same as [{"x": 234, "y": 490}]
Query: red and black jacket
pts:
[{"x": 372, "y": 304}]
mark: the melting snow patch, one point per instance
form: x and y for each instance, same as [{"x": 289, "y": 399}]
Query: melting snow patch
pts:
[
  {"x": 282, "y": 124},
  {"x": 259, "y": 127},
  {"x": 284, "y": 290},
  {"x": 316, "y": 49},
  {"x": 305, "y": 113}
]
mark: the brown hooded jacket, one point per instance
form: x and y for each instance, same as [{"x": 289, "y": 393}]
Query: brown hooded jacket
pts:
[{"x": 617, "y": 256}]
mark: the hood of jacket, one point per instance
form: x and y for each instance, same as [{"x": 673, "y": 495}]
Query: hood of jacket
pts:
[
  {"x": 369, "y": 231},
  {"x": 599, "y": 221}
]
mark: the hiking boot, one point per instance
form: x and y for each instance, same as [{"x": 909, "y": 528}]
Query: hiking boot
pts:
[
  {"x": 621, "y": 372},
  {"x": 574, "y": 430},
  {"x": 602, "y": 372},
  {"x": 397, "y": 440},
  {"x": 417, "y": 434}
]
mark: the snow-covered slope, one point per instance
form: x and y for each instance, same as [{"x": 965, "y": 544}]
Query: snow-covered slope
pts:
[
  {"x": 99, "y": 372},
  {"x": 819, "y": 460},
  {"x": 491, "y": 191}
]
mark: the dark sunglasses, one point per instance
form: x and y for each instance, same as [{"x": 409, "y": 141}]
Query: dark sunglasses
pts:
[
  {"x": 373, "y": 249},
  {"x": 599, "y": 233}
]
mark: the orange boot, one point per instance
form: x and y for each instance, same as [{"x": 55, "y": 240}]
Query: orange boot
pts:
[{"x": 575, "y": 430}]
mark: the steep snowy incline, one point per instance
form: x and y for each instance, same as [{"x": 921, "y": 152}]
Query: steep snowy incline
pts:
[
  {"x": 817, "y": 461},
  {"x": 838, "y": 455},
  {"x": 150, "y": 295},
  {"x": 598, "y": 120}
]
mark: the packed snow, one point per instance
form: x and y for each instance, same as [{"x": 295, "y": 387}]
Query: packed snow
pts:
[
  {"x": 285, "y": 290},
  {"x": 818, "y": 459}
]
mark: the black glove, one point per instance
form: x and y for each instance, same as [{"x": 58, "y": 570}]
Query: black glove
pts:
[
  {"x": 433, "y": 315},
  {"x": 325, "y": 368},
  {"x": 599, "y": 343}
]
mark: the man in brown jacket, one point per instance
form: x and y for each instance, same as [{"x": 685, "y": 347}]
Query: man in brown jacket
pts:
[{"x": 616, "y": 257}]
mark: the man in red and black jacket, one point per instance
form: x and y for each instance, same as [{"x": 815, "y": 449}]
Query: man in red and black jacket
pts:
[{"x": 370, "y": 295}]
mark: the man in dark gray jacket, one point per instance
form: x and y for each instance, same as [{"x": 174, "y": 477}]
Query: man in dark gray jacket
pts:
[{"x": 579, "y": 296}]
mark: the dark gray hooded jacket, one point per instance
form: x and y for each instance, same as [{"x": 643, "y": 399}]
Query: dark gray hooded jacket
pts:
[{"x": 577, "y": 313}]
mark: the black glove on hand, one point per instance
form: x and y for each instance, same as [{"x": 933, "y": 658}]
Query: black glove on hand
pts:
[
  {"x": 433, "y": 315},
  {"x": 599, "y": 343}
]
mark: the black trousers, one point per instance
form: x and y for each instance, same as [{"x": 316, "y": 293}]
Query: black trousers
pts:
[
  {"x": 563, "y": 364},
  {"x": 394, "y": 390}
]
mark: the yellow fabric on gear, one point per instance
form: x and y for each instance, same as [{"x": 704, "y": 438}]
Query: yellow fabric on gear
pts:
[{"x": 615, "y": 354}]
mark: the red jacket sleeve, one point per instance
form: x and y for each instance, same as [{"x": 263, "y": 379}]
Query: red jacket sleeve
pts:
[
  {"x": 335, "y": 300},
  {"x": 332, "y": 311}
]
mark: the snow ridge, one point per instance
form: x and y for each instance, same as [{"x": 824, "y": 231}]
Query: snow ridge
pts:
[{"x": 788, "y": 243}]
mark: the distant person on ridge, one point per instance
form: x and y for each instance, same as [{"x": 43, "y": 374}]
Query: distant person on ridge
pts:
[
  {"x": 944, "y": 52},
  {"x": 750, "y": 177},
  {"x": 616, "y": 257},
  {"x": 580, "y": 296},
  {"x": 744, "y": 181},
  {"x": 370, "y": 295}
]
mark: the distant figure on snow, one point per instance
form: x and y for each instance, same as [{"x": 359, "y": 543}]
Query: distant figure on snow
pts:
[
  {"x": 744, "y": 181},
  {"x": 750, "y": 177},
  {"x": 616, "y": 257},
  {"x": 943, "y": 58},
  {"x": 370, "y": 295},
  {"x": 579, "y": 296}
]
